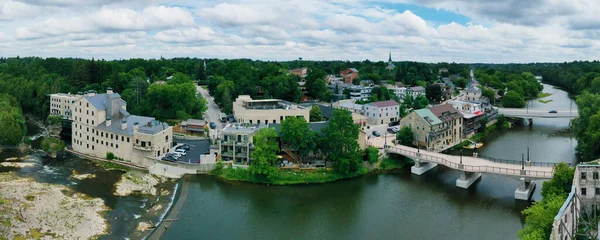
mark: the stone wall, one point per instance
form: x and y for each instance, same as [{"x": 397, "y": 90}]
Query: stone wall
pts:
[{"x": 565, "y": 222}]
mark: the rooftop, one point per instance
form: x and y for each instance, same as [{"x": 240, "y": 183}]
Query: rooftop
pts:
[
  {"x": 417, "y": 88},
  {"x": 100, "y": 101},
  {"x": 147, "y": 125},
  {"x": 245, "y": 128},
  {"x": 428, "y": 116},
  {"x": 445, "y": 110},
  {"x": 314, "y": 126},
  {"x": 266, "y": 104},
  {"x": 194, "y": 122},
  {"x": 326, "y": 111},
  {"x": 387, "y": 103}
]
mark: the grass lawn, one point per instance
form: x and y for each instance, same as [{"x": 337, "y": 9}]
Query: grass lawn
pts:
[
  {"x": 285, "y": 177},
  {"x": 545, "y": 101}
]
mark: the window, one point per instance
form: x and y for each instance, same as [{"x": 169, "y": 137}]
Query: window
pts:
[
  {"x": 101, "y": 142},
  {"x": 87, "y": 137},
  {"x": 92, "y": 113},
  {"x": 273, "y": 120},
  {"x": 88, "y": 129},
  {"x": 583, "y": 191},
  {"x": 122, "y": 139},
  {"x": 250, "y": 121},
  {"x": 280, "y": 118},
  {"x": 167, "y": 138},
  {"x": 127, "y": 139},
  {"x": 258, "y": 121},
  {"x": 597, "y": 191},
  {"x": 92, "y": 139},
  {"x": 87, "y": 146},
  {"x": 92, "y": 147},
  {"x": 595, "y": 175},
  {"x": 111, "y": 145},
  {"x": 137, "y": 141},
  {"x": 582, "y": 175},
  {"x": 117, "y": 145},
  {"x": 93, "y": 130},
  {"x": 79, "y": 103},
  {"x": 87, "y": 112},
  {"x": 111, "y": 136},
  {"x": 87, "y": 104},
  {"x": 102, "y": 134},
  {"x": 149, "y": 144}
]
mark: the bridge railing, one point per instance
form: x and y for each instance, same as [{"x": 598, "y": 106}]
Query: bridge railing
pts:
[
  {"x": 471, "y": 168},
  {"x": 517, "y": 162}
]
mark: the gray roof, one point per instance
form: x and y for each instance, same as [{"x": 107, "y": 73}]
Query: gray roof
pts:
[
  {"x": 417, "y": 89},
  {"x": 327, "y": 112},
  {"x": 99, "y": 100},
  {"x": 146, "y": 125},
  {"x": 242, "y": 128}
]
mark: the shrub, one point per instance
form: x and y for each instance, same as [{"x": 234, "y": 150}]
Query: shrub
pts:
[
  {"x": 52, "y": 145},
  {"x": 53, "y": 120},
  {"x": 371, "y": 154},
  {"x": 110, "y": 156}
]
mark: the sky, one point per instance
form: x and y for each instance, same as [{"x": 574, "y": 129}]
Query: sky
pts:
[{"x": 465, "y": 31}]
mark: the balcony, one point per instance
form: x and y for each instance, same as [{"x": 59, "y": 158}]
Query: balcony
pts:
[
  {"x": 146, "y": 148},
  {"x": 226, "y": 143},
  {"x": 435, "y": 133}
]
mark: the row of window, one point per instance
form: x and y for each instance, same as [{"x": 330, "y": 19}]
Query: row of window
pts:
[
  {"x": 584, "y": 175},
  {"x": 80, "y": 143},
  {"x": 584, "y": 191}
]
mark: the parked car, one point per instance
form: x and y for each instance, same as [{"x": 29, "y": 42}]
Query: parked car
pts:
[
  {"x": 184, "y": 147},
  {"x": 169, "y": 158},
  {"x": 176, "y": 154},
  {"x": 376, "y": 134},
  {"x": 553, "y": 111},
  {"x": 181, "y": 151},
  {"x": 212, "y": 125},
  {"x": 392, "y": 129},
  {"x": 395, "y": 123}
]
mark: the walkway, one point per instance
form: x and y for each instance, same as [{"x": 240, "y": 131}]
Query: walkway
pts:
[
  {"x": 472, "y": 164},
  {"x": 530, "y": 113}
]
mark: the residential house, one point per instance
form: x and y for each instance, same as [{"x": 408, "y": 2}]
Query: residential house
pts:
[
  {"x": 473, "y": 115},
  {"x": 101, "y": 124},
  {"x": 236, "y": 142},
  {"x": 397, "y": 90},
  {"x": 428, "y": 130},
  {"x": 191, "y": 126},
  {"x": 248, "y": 110},
  {"x": 349, "y": 74},
  {"x": 360, "y": 92},
  {"x": 300, "y": 72},
  {"x": 349, "y": 105},
  {"x": 366, "y": 83},
  {"x": 473, "y": 93},
  {"x": 356, "y": 117},
  {"x": 332, "y": 79},
  {"x": 381, "y": 112},
  {"x": 415, "y": 91}
]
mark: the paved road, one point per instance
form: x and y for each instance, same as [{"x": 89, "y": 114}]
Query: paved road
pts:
[
  {"x": 213, "y": 112},
  {"x": 379, "y": 141},
  {"x": 472, "y": 164}
]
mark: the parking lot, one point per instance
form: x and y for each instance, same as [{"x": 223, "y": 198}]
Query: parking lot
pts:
[
  {"x": 379, "y": 141},
  {"x": 197, "y": 148}
]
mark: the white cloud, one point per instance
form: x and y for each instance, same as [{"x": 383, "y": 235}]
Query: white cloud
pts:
[{"x": 498, "y": 31}]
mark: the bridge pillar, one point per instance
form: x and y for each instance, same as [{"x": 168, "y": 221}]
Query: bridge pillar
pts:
[
  {"x": 525, "y": 189},
  {"x": 467, "y": 179},
  {"x": 421, "y": 167},
  {"x": 530, "y": 121}
]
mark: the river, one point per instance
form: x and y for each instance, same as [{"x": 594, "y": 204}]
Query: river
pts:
[{"x": 394, "y": 205}]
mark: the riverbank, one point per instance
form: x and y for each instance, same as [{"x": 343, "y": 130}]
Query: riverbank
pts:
[{"x": 32, "y": 210}]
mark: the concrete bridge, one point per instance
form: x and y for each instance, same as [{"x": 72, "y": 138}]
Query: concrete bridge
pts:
[
  {"x": 536, "y": 113},
  {"x": 472, "y": 167}
]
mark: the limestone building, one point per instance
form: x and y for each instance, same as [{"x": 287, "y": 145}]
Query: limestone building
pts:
[{"x": 101, "y": 124}]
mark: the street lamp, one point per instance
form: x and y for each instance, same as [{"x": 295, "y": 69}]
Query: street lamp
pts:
[
  {"x": 461, "y": 155},
  {"x": 522, "y": 161}
]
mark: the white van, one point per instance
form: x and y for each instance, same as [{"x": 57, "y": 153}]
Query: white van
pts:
[{"x": 180, "y": 151}]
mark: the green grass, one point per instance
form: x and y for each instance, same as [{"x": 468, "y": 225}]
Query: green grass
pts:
[
  {"x": 30, "y": 198},
  {"x": 545, "y": 101},
  {"x": 543, "y": 95},
  {"x": 390, "y": 163},
  {"x": 556, "y": 87},
  {"x": 286, "y": 177},
  {"x": 113, "y": 166}
]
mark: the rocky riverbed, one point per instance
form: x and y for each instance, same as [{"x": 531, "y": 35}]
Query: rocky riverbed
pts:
[
  {"x": 32, "y": 210},
  {"x": 137, "y": 182}
]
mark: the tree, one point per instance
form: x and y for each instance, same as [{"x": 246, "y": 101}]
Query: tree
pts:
[
  {"x": 371, "y": 154},
  {"x": 489, "y": 94},
  {"x": 316, "y": 86},
  {"x": 433, "y": 92},
  {"x": 539, "y": 218},
  {"x": 12, "y": 123},
  {"x": 265, "y": 153},
  {"x": 52, "y": 146},
  {"x": 561, "y": 181},
  {"x": 512, "y": 99},
  {"x": 315, "y": 114},
  {"x": 587, "y": 125},
  {"x": 297, "y": 136},
  {"x": 461, "y": 82},
  {"x": 405, "y": 136},
  {"x": 420, "y": 102},
  {"x": 341, "y": 143}
]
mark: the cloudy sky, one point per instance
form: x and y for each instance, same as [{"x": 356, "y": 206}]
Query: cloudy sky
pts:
[{"x": 496, "y": 31}]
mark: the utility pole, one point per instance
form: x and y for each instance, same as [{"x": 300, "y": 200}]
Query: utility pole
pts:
[
  {"x": 527, "y": 154},
  {"x": 522, "y": 161}
]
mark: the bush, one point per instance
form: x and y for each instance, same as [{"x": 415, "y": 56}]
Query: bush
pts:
[
  {"x": 371, "y": 154},
  {"x": 110, "y": 156},
  {"x": 395, "y": 162},
  {"x": 52, "y": 145},
  {"x": 53, "y": 120}
]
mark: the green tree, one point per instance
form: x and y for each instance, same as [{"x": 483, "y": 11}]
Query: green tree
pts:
[
  {"x": 405, "y": 136},
  {"x": 561, "y": 181},
  {"x": 316, "y": 86},
  {"x": 265, "y": 153},
  {"x": 433, "y": 92},
  {"x": 52, "y": 145},
  {"x": 512, "y": 99},
  {"x": 341, "y": 145},
  {"x": 315, "y": 114},
  {"x": 587, "y": 125},
  {"x": 12, "y": 123},
  {"x": 297, "y": 136},
  {"x": 371, "y": 154},
  {"x": 420, "y": 102},
  {"x": 461, "y": 82},
  {"x": 539, "y": 218}
]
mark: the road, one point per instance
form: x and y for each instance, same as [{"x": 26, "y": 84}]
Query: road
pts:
[
  {"x": 379, "y": 142},
  {"x": 212, "y": 113},
  {"x": 536, "y": 113}
]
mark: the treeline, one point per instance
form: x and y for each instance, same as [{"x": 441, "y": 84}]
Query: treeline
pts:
[
  {"x": 30, "y": 80},
  {"x": 12, "y": 123},
  {"x": 518, "y": 86}
]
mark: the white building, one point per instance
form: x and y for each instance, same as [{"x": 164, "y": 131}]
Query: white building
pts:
[
  {"x": 60, "y": 104},
  {"x": 360, "y": 92},
  {"x": 416, "y": 91},
  {"x": 247, "y": 110},
  {"x": 473, "y": 93},
  {"x": 381, "y": 112},
  {"x": 101, "y": 124},
  {"x": 400, "y": 92}
]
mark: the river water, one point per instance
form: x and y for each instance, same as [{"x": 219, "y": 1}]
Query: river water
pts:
[
  {"x": 124, "y": 212},
  {"x": 394, "y": 205}
]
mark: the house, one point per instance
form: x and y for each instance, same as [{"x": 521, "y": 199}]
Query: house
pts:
[
  {"x": 443, "y": 70},
  {"x": 349, "y": 74},
  {"x": 331, "y": 79},
  {"x": 101, "y": 124},
  {"x": 473, "y": 115},
  {"x": 451, "y": 119},
  {"x": 349, "y": 105},
  {"x": 360, "y": 92},
  {"x": 327, "y": 113},
  {"x": 415, "y": 91},
  {"x": 366, "y": 83},
  {"x": 248, "y": 110},
  {"x": 428, "y": 130},
  {"x": 236, "y": 142},
  {"x": 300, "y": 72},
  {"x": 191, "y": 126},
  {"x": 381, "y": 112},
  {"x": 473, "y": 93}
]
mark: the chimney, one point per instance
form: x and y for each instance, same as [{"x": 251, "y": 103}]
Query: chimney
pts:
[
  {"x": 123, "y": 124},
  {"x": 108, "y": 121},
  {"x": 92, "y": 93},
  {"x": 109, "y": 90},
  {"x": 136, "y": 127}
]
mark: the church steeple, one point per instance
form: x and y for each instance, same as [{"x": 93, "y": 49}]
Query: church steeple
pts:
[
  {"x": 390, "y": 65},
  {"x": 390, "y": 59}
]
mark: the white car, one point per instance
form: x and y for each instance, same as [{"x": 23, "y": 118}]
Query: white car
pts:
[
  {"x": 180, "y": 151},
  {"x": 176, "y": 154}
]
